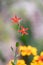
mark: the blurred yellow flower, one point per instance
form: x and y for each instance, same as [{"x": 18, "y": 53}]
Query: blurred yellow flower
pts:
[
  {"x": 41, "y": 53},
  {"x": 22, "y": 50},
  {"x": 36, "y": 63},
  {"x": 37, "y": 60},
  {"x": 19, "y": 62},
  {"x": 27, "y": 50},
  {"x": 10, "y": 62},
  {"x": 34, "y": 51}
]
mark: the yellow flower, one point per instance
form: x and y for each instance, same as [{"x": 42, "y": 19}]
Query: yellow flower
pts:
[
  {"x": 31, "y": 50},
  {"x": 38, "y": 59},
  {"x": 20, "y": 62},
  {"x": 35, "y": 63},
  {"x": 28, "y": 52},
  {"x": 34, "y": 51},
  {"x": 10, "y": 62},
  {"x": 22, "y": 50},
  {"x": 41, "y": 53}
]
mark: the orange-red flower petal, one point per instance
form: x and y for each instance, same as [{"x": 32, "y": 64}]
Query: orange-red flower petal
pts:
[
  {"x": 23, "y": 30},
  {"x": 16, "y": 19}
]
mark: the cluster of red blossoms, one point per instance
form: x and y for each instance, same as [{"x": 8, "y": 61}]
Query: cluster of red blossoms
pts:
[{"x": 17, "y": 20}]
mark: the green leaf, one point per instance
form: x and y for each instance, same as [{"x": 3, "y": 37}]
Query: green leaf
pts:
[
  {"x": 17, "y": 44},
  {"x": 12, "y": 63}
]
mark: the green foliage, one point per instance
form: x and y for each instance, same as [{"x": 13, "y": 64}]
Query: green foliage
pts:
[
  {"x": 17, "y": 44},
  {"x": 12, "y": 63},
  {"x": 26, "y": 39}
]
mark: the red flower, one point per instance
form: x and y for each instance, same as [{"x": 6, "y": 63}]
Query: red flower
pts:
[
  {"x": 23, "y": 30},
  {"x": 16, "y": 19}
]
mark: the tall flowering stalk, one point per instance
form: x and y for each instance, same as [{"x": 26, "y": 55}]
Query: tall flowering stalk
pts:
[
  {"x": 24, "y": 50},
  {"x": 17, "y": 20}
]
